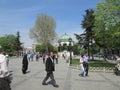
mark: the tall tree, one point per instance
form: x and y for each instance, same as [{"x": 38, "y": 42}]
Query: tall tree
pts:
[
  {"x": 88, "y": 24},
  {"x": 107, "y": 24},
  {"x": 44, "y": 30},
  {"x": 8, "y": 43},
  {"x": 18, "y": 43}
]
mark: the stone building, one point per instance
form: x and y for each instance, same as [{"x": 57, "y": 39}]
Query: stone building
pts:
[{"x": 65, "y": 45}]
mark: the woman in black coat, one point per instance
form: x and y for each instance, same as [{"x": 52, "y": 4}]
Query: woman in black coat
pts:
[{"x": 24, "y": 64}]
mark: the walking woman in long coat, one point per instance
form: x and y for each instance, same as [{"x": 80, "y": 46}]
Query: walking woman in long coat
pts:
[{"x": 24, "y": 64}]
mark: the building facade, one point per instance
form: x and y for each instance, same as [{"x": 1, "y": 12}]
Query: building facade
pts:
[{"x": 65, "y": 45}]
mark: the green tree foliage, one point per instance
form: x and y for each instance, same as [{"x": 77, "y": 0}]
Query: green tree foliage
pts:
[
  {"x": 8, "y": 43},
  {"x": 41, "y": 48},
  {"x": 76, "y": 49},
  {"x": 86, "y": 38},
  {"x": 44, "y": 30},
  {"x": 18, "y": 43},
  {"x": 87, "y": 24},
  {"x": 107, "y": 24}
]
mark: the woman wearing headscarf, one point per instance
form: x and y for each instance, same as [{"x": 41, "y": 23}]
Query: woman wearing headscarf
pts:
[{"x": 24, "y": 64}]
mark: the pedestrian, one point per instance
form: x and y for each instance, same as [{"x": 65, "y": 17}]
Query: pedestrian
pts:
[
  {"x": 37, "y": 56},
  {"x": 56, "y": 58},
  {"x": 82, "y": 60},
  {"x": 31, "y": 56},
  {"x": 4, "y": 73},
  {"x": 50, "y": 67},
  {"x": 7, "y": 59},
  {"x": 86, "y": 64},
  {"x": 24, "y": 64},
  {"x": 44, "y": 55},
  {"x": 117, "y": 66},
  {"x": 63, "y": 56},
  {"x": 28, "y": 55}
]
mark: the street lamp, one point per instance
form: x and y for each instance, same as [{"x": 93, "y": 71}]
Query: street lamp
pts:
[
  {"x": 70, "y": 48},
  {"x": 92, "y": 41}
]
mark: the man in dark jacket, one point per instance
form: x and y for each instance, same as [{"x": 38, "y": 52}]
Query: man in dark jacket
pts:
[{"x": 50, "y": 67}]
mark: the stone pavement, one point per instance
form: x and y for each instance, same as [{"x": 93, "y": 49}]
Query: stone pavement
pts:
[{"x": 66, "y": 77}]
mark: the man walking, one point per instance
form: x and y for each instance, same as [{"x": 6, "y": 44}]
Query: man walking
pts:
[
  {"x": 4, "y": 73},
  {"x": 50, "y": 67}
]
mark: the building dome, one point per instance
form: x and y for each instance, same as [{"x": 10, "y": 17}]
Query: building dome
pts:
[
  {"x": 65, "y": 41},
  {"x": 64, "y": 37}
]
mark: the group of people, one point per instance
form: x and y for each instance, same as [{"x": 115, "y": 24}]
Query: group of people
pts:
[
  {"x": 84, "y": 65},
  {"x": 49, "y": 68},
  {"x": 4, "y": 72},
  {"x": 45, "y": 56}
]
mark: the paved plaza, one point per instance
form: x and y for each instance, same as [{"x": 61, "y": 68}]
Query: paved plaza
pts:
[{"x": 66, "y": 77}]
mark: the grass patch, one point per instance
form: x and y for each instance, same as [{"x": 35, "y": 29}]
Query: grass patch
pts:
[{"x": 95, "y": 63}]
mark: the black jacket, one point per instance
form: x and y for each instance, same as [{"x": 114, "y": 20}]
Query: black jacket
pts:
[
  {"x": 49, "y": 65},
  {"x": 25, "y": 61}
]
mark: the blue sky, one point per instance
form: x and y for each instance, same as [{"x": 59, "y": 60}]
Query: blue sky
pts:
[{"x": 20, "y": 15}]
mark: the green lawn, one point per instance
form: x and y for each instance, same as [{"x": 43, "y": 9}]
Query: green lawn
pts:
[{"x": 95, "y": 63}]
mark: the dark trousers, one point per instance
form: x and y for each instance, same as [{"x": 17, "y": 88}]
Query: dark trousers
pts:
[
  {"x": 87, "y": 68},
  {"x": 4, "y": 84},
  {"x": 43, "y": 60},
  {"x": 51, "y": 75},
  {"x": 24, "y": 69},
  {"x": 56, "y": 60}
]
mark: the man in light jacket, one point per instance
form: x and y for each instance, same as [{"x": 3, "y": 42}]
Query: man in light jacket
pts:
[{"x": 4, "y": 73}]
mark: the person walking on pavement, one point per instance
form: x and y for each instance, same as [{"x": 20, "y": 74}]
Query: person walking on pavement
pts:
[
  {"x": 50, "y": 67},
  {"x": 82, "y": 60},
  {"x": 44, "y": 55},
  {"x": 4, "y": 73},
  {"x": 56, "y": 58},
  {"x": 117, "y": 66},
  {"x": 24, "y": 64},
  {"x": 86, "y": 58},
  {"x": 7, "y": 59}
]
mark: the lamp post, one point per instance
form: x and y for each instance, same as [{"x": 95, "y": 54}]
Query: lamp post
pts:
[
  {"x": 0, "y": 46},
  {"x": 92, "y": 41},
  {"x": 70, "y": 40}
]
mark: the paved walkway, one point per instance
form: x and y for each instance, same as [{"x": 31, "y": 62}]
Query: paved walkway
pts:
[{"x": 66, "y": 77}]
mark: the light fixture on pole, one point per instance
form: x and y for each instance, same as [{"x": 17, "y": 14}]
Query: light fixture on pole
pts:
[{"x": 70, "y": 49}]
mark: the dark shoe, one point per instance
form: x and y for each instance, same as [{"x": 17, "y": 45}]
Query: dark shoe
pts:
[
  {"x": 81, "y": 75},
  {"x": 56, "y": 86},
  {"x": 44, "y": 84}
]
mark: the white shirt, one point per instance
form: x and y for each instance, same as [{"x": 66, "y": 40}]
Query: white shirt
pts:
[
  {"x": 3, "y": 66},
  {"x": 81, "y": 60},
  {"x": 86, "y": 58}
]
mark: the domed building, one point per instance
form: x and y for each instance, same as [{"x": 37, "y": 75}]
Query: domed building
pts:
[{"x": 65, "y": 45}]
